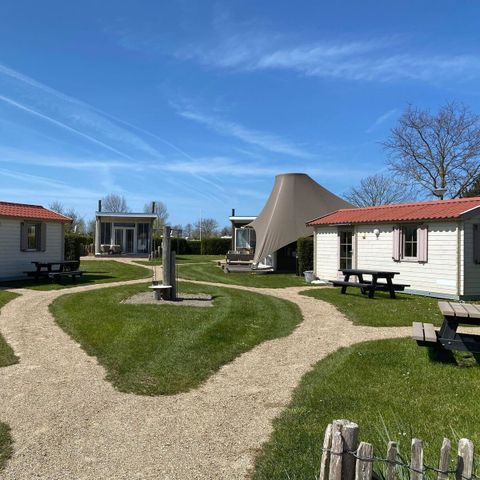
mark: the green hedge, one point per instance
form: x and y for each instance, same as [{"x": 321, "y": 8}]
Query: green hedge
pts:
[
  {"x": 304, "y": 254},
  {"x": 75, "y": 245},
  {"x": 208, "y": 246},
  {"x": 216, "y": 246}
]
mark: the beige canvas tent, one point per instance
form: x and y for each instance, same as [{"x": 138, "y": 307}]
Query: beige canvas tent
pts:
[{"x": 295, "y": 199}]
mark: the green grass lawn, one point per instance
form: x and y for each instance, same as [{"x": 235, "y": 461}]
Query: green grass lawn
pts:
[
  {"x": 211, "y": 273},
  {"x": 380, "y": 311},
  {"x": 7, "y": 357},
  {"x": 390, "y": 388},
  {"x": 6, "y": 445},
  {"x": 95, "y": 271},
  {"x": 155, "y": 350},
  {"x": 186, "y": 259}
]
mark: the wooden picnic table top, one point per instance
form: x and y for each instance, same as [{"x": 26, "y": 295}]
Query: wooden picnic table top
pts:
[
  {"x": 362, "y": 271},
  {"x": 459, "y": 310}
]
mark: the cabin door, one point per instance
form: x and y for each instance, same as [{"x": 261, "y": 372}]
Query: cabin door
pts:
[{"x": 345, "y": 249}]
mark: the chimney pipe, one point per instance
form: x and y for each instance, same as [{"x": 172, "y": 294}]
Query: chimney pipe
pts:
[
  {"x": 233, "y": 212},
  {"x": 153, "y": 207},
  {"x": 99, "y": 205}
]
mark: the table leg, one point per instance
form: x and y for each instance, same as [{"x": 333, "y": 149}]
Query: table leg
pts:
[
  {"x": 345, "y": 279},
  {"x": 360, "y": 279},
  {"x": 390, "y": 287},
  {"x": 371, "y": 292}
]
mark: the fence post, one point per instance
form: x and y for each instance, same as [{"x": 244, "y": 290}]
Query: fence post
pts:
[
  {"x": 364, "y": 468},
  {"x": 349, "y": 431},
  {"x": 416, "y": 463},
  {"x": 443, "y": 463},
  {"x": 327, "y": 445},
  {"x": 335, "y": 470},
  {"x": 465, "y": 459},
  {"x": 391, "y": 461}
]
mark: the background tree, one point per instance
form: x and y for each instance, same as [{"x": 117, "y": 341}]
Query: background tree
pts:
[
  {"x": 188, "y": 230},
  {"x": 226, "y": 232},
  {"x": 436, "y": 151},
  {"x": 160, "y": 211},
  {"x": 205, "y": 228},
  {"x": 77, "y": 225},
  {"x": 474, "y": 190},
  {"x": 114, "y": 203},
  {"x": 378, "y": 190}
]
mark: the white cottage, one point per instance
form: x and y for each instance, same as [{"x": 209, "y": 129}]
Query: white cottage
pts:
[
  {"x": 29, "y": 233},
  {"x": 435, "y": 245},
  {"x": 123, "y": 233}
]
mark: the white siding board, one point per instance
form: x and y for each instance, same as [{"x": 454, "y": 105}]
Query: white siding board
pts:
[{"x": 13, "y": 262}]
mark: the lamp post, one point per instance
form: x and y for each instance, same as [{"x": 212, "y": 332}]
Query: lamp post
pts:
[{"x": 439, "y": 192}]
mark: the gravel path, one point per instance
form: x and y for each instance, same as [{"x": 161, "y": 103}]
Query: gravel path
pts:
[{"x": 69, "y": 423}]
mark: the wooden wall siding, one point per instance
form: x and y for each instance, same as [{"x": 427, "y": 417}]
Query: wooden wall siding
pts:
[
  {"x": 13, "y": 261},
  {"x": 438, "y": 275},
  {"x": 471, "y": 270},
  {"x": 326, "y": 253}
]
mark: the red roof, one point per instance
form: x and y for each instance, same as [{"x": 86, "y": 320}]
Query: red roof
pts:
[
  {"x": 401, "y": 212},
  {"x": 31, "y": 212}
]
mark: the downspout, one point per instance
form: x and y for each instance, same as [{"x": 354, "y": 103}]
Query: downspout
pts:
[{"x": 459, "y": 259}]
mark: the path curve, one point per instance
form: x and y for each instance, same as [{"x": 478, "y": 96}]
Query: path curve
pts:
[{"x": 69, "y": 423}]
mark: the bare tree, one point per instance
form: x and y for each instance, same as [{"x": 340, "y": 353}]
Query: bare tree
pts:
[
  {"x": 188, "y": 230},
  {"x": 378, "y": 190},
  {"x": 115, "y": 203},
  {"x": 160, "y": 209},
  {"x": 77, "y": 224},
  {"x": 474, "y": 190},
  {"x": 205, "y": 228},
  {"x": 226, "y": 231},
  {"x": 436, "y": 151}
]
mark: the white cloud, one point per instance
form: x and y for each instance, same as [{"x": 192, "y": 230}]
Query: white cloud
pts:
[
  {"x": 381, "y": 119},
  {"x": 379, "y": 59},
  {"x": 266, "y": 141}
]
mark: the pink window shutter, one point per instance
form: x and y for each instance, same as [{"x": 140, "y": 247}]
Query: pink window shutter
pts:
[
  {"x": 422, "y": 239},
  {"x": 397, "y": 236},
  {"x": 476, "y": 243}
]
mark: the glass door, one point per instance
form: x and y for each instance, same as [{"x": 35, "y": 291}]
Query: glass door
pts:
[
  {"x": 129, "y": 234},
  {"x": 346, "y": 249},
  {"x": 119, "y": 238}
]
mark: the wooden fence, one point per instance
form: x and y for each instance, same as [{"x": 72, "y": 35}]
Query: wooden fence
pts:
[{"x": 343, "y": 458}]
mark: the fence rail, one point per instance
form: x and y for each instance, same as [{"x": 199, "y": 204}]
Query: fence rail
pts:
[{"x": 344, "y": 458}]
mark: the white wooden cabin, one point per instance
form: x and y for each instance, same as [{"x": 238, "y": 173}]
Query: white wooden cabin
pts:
[
  {"x": 29, "y": 233},
  {"x": 435, "y": 246}
]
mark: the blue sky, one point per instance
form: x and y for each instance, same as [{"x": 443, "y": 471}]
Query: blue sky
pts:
[{"x": 200, "y": 104}]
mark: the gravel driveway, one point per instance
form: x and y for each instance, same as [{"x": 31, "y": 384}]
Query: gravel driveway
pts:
[{"x": 69, "y": 423}]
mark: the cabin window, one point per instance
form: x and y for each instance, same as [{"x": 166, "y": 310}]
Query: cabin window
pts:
[
  {"x": 244, "y": 238},
  {"x": 143, "y": 237},
  {"x": 105, "y": 233},
  {"x": 410, "y": 241},
  {"x": 32, "y": 237}
]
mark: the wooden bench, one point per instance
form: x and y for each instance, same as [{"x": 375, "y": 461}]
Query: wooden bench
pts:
[
  {"x": 424, "y": 334},
  {"x": 341, "y": 283},
  {"x": 73, "y": 274}
]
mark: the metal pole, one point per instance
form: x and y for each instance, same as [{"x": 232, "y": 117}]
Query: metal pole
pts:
[{"x": 166, "y": 258}]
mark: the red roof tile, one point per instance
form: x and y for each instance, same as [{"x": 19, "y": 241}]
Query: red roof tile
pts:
[
  {"x": 30, "y": 212},
  {"x": 402, "y": 212}
]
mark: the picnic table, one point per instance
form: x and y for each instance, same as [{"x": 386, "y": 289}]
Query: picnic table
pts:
[
  {"x": 372, "y": 285},
  {"x": 54, "y": 270},
  {"x": 454, "y": 314}
]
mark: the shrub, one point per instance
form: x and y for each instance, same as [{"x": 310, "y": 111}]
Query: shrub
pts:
[
  {"x": 75, "y": 245},
  {"x": 216, "y": 246},
  {"x": 304, "y": 254}
]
